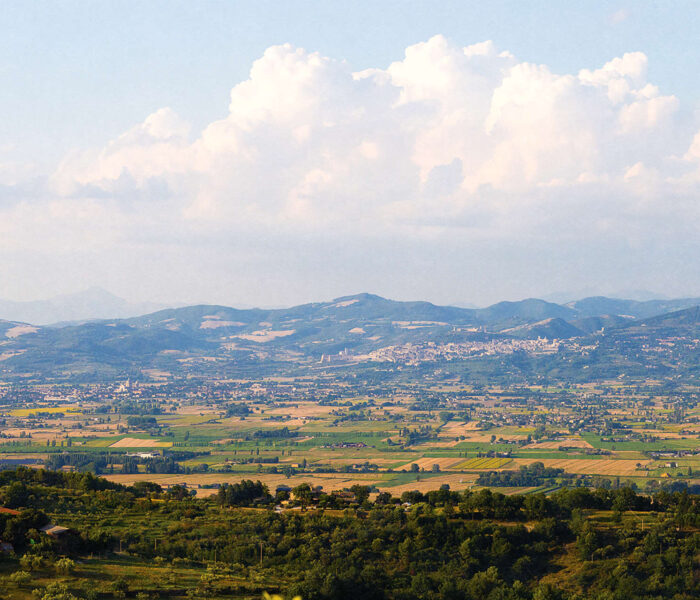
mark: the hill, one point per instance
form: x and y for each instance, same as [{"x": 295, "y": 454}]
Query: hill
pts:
[
  {"x": 547, "y": 328},
  {"x": 209, "y": 338},
  {"x": 598, "y": 305}
]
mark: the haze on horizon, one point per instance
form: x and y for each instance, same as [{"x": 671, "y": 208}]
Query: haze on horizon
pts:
[{"x": 256, "y": 153}]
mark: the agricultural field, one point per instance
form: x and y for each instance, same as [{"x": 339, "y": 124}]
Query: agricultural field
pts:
[
  {"x": 335, "y": 435},
  {"x": 130, "y": 442},
  {"x": 482, "y": 463},
  {"x": 49, "y": 410},
  {"x": 610, "y": 467}
]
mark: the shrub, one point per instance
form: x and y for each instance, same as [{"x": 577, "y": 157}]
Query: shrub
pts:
[
  {"x": 20, "y": 578},
  {"x": 64, "y": 566}
]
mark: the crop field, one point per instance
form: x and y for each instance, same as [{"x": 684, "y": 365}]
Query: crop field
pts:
[
  {"x": 278, "y": 431},
  {"x": 426, "y": 484},
  {"x": 592, "y": 467},
  {"x": 48, "y": 410},
  {"x": 482, "y": 463},
  {"x": 665, "y": 443},
  {"x": 428, "y": 462},
  {"x": 566, "y": 442},
  {"x": 105, "y": 442},
  {"x": 129, "y": 442}
]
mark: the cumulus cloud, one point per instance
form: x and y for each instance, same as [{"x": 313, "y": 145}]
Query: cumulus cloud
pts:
[
  {"x": 462, "y": 141},
  {"x": 309, "y": 141},
  {"x": 156, "y": 148}
]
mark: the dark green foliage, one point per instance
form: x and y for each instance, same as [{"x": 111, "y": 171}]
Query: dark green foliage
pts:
[
  {"x": 245, "y": 493},
  {"x": 283, "y": 432},
  {"x": 238, "y": 410},
  {"x": 447, "y": 545},
  {"x": 529, "y": 475},
  {"x": 141, "y": 422},
  {"x": 82, "y": 481}
]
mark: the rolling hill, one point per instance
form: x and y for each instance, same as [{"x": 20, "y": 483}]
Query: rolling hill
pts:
[{"x": 171, "y": 339}]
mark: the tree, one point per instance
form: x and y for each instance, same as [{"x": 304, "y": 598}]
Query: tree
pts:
[
  {"x": 31, "y": 562},
  {"x": 64, "y": 566},
  {"x": 361, "y": 492},
  {"x": 587, "y": 541},
  {"x": 16, "y": 495},
  {"x": 383, "y": 498},
  {"x": 55, "y": 591},
  {"x": 178, "y": 492},
  {"x": 546, "y": 591},
  {"x": 302, "y": 494}
]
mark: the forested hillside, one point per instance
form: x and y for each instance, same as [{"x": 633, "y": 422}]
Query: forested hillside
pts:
[{"x": 143, "y": 542}]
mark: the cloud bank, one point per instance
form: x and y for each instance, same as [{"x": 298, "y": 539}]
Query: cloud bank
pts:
[{"x": 451, "y": 150}]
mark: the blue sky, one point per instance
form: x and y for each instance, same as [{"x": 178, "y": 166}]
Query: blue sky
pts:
[
  {"x": 78, "y": 81},
  {"x": 74, "y": 74}
]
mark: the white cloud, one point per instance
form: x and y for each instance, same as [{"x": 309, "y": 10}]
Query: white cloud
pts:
[
  {"x": 308, "y": 140},
  {"x": 446, "y": 140},
  {"x": 158, "y": 147}
]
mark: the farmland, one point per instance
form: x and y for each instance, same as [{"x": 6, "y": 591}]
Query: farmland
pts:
[{"x": 336, "y": 434}]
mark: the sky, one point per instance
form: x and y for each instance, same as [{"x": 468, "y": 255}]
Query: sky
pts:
[{"x": 274, "y": 153}]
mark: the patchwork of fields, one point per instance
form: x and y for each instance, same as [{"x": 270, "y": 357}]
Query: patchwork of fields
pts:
[{"x": 384, "y": 442}]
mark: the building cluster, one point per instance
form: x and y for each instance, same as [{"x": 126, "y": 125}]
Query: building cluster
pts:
[{"x": 431, "y": 351}]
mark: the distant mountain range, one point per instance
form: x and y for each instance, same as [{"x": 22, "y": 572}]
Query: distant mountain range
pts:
[
  {"x": 98, "y": 304},
  {"x": 93, "y": 303},
  {"x": 210, "y": 336}
]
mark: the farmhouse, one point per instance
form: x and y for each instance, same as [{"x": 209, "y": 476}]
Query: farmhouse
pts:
[{"x": 55, "y": 531}]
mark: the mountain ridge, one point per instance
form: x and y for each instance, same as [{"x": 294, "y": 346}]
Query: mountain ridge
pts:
[
  {"x": 97, "y": 304},
  {"x": 356, "y": 325}
]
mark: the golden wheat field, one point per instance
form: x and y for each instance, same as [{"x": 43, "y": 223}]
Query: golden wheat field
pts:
[
  {"x": 24, "y": 412},
  {"x": 456, "y": 481},
  {"x": 482, "y": 463},
  {"x": 567, "y": 442},
  {"x": 584, "y": 466},
  {"x": 128, "y": 442}
]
